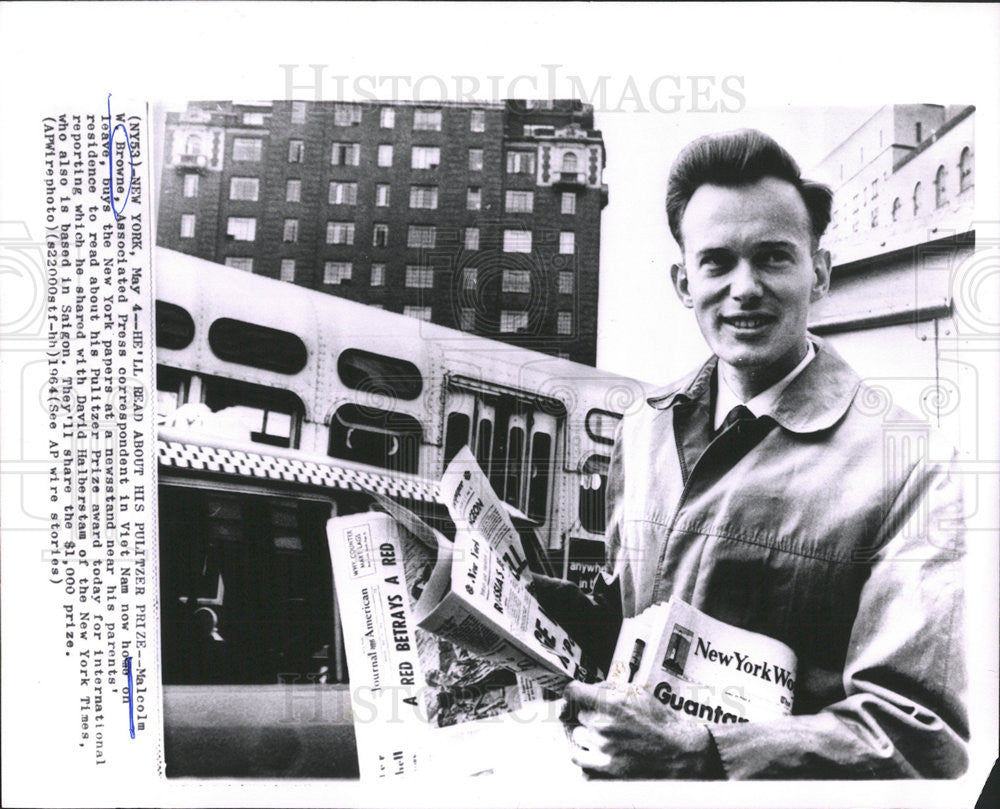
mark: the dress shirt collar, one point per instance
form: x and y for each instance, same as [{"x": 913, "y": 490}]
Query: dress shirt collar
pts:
[{"x": 763, "y": 403}]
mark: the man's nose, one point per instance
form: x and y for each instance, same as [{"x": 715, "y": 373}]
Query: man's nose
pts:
[{"x": 743, "y": 281}]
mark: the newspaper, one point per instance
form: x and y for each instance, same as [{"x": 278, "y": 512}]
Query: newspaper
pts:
[
  {"x": 440, "y": 633},
  {"x": 701, "y": 668}
]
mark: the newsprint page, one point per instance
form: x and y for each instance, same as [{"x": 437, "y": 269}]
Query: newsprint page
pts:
[{"x": 570, "y": 405}]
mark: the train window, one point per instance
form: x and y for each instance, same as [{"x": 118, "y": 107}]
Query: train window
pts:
[
  {"x": 257, "y": 346},
  {"x": 364, "y": 370},
  {"x": 484, "y": 445},
  {"x": 593, "y": 487},
  {"x": 540, "y": 472},
  {"x": 456, "y": 435},
  {"x": 253, "y": 412},
  {"x": 377, "y": 437},
  {"x": 171, "y": 391},
  {"x": 601, "y": 425},
  {"x": 515, "y": 463},
  {"x": 174, "y": 326}
]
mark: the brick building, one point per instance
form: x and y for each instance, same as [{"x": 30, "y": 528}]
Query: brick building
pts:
[{"x": 484, "y": 217}]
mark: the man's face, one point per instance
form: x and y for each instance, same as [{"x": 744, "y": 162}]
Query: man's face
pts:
[{"x": 750, "y": 273}]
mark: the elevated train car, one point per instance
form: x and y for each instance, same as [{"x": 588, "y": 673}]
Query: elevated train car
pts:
[{"x": 280, "y": 406}]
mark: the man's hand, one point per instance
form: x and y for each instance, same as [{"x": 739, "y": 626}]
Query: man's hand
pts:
[{"x": 618, "y": 735}]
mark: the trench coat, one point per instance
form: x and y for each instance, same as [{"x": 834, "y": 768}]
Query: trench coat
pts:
[{"x": 835, "y": 525}]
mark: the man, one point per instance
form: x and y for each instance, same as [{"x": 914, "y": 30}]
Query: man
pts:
[{"x": 794, "y": 517}]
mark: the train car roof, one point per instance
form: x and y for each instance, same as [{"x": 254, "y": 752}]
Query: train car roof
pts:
[{"x": 185, "y": 280}]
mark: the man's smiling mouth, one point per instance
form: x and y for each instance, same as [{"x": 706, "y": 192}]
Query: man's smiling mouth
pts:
[{"x": 748, "y": 322}]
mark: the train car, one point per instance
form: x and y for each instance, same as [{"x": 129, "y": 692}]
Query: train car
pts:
[{"x": 279, "y": 407}]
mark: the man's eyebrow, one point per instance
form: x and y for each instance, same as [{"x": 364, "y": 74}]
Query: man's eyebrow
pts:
[
  {"x": 711, "y": 251},
  {"x": 776, "y": 244}
]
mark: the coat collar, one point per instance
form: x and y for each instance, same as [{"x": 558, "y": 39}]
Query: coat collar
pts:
[{"x": 815, "y": 400}]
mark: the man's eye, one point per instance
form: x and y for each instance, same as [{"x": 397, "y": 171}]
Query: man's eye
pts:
[
  {"x": 714, "y": 264},
  {"x": 775, "y": 258}
]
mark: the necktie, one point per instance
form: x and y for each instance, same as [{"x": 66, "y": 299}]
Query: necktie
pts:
[{"x": 737, "y": 414}]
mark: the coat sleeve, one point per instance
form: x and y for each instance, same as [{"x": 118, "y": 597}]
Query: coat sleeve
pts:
[{"x": 904, "y": 710}]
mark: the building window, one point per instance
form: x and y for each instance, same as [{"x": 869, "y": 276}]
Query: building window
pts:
[
  {"x": 192, "y": 145},
  {"x": 241, "y": 228},
  {"x": 343, "y": 193},
  {"x": 520, "y": 162},
  {"x": 298, "y": 112},
  {"x": 477, "y": 120},
  {"x": 566, "y": 282},
  {"x": 511, "y": 322},
  {"x": 564, "y": 323},
  {"x": 940, "y": 181},
  {"x": 919, "y": 132},
  {"x": 382, "y": 195},
  {"x": 896, "y": 205},
  {"x": 190, "y": 185},
  {"x": 384, "y": 154},
  {"x": 472, "y": 238},
  {"x": 336, "y": 272},
  {"x": 419, "y": 312},
  {"x": 346, "y": 115},
  {"x": 187, "y": 226},
  {"x": 291, "y": 231},
  {"x": 475, "y": 159},
  {"x": 874, "y": 218},
  {"x": 517, "y": 241},
  {"x": 474, "y": 198},
  {"x": 288, "y": 270},
  {"x": 340, "y": 233},
  {"x": 916, "y": 198},
  {"x": 293, "y": 191},
  {"x": 296, "y": 150},
  {"x": 253, "y": 119},
  {"x": 421, "y": 236},
  {"x": 387, "y": 117},
  {"x": 378, "y": 270},
  {"x": 245, "y": 264},
  {"x": 567, "y": 241},
  {"x": 248, "y": 149},
  {"x": 467, "y": 318},
  {"x": 345, "y": 154},
  {"x": 425, "y": 157},
  {"x": 569, "y": 162},
  {"x": 380, "y": 236},
  {"x": 965, "y": 181},
  {"x": 516, "y": 281},
  {"x": 427, "y": 119},
  {"x": 424, "y": 196},
  {"x": 419, "y": 277},
  {"x": 244, "y": 188},
  {"x": 568, "y": 202},
  {"x": 520, "y": 202},
  {"x": 875, "y": 189},
  {"x": 470, "y": 278}
]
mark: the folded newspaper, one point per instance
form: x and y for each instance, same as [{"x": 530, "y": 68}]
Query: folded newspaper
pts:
[
  {"x": 441, "y": 633},
  {"x": 701, "y": 668},
  {"x": 443, "y": 636}
]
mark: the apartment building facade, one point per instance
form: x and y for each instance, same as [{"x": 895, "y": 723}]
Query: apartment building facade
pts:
[{"x": 480, "y": 217}]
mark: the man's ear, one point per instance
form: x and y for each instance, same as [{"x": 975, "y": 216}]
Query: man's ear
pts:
[
  {"x": 678, "y": 274},
  {"x": 821, "y": 281}
]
